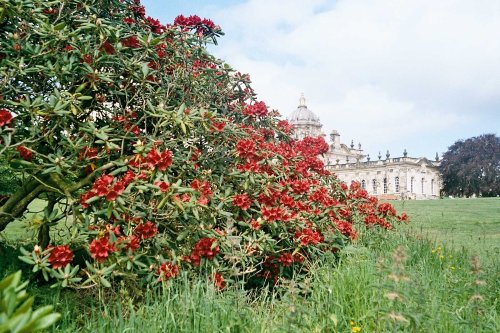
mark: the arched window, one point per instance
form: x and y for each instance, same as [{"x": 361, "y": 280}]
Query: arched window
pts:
[
  {"x": 374, "y": 184},
  {"x": 396, "y": 184},
  {"x": 411, "y": 184},
  {"x": 363, "y": 184},
  {"x": 385, "y": 185},
  {"x": 432, "y": 186},
  {"x": 423, "y": 185}
]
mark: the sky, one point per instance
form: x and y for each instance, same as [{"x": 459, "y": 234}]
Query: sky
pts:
[{"x": 390, "y": 74}]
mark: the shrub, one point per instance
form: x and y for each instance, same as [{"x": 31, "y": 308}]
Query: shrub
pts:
[{"x": 157, "y": 153}]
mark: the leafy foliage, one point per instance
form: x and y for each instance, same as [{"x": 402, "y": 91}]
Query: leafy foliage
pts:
[
  {"x": 472, "y": 166},
  {"x": 16, "y": 313},
  {"x": 157, "y": 155}
]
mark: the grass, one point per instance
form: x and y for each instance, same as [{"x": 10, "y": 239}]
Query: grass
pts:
[
  {"x": 437, "y": 297},
  {"x": 417, "y": 279},
  {"x": 471, "y": 224}
]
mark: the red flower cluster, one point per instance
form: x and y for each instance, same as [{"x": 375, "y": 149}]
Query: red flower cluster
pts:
[
  {"x": 204, "y": 248},
  {"x": 218, "y": 126},
  {"x": 60, "y": 256},
  {"x": 386, "y": 209},
  {"x": 272, "y": 214},
  {"x": 5, "y": 117},
  {"x": 312, "y": 146},
  {"x": 131, "y": 41},
  {"x": 300, "y": 186},
  {"x": 100, "y": 248},
  {"x": 285, "y": 126},
  {"x": 164, "y": 186},
  {"x": 375, "y": 220},
  {"x": 286, "y": 259},
  {"x": 161, "y": 160},
  {"x": 24, "y": 152},
  {"x": 242, "y": 201},
  {"x": 131, "y": 243},
  {"x": 88, "y": 152},
  {"x": 258, "y": 109},
  {"x": 146, "y": 230},
  {"x": 203, "y": 187},
  {"x": 194, "y": 21},
  {"x": 346, "y": 229},
  {"x": 245, "y": 148},
  {"x": 155, "y": 25},
  {"x": 308, "y": 236},
  {"x": 167, "y": 271},
  {"x": 105, "y": 186}
]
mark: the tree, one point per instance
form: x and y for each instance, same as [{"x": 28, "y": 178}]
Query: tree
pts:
[
  {"x": 472, "y": 166},
  {"x": 154, "y": 157}
]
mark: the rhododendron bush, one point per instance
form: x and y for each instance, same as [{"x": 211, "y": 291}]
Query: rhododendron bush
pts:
[{"x": 154, "y": 158}]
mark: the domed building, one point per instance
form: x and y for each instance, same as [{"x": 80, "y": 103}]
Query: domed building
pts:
[{"x": 390, "y": 178}]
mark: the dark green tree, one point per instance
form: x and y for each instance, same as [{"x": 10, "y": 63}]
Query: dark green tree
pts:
[{"x": 472, "y": 166}]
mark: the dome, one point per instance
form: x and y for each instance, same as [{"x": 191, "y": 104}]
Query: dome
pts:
[{"x": 303, "y": 114}]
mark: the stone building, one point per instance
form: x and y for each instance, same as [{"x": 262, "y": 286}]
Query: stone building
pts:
[{"x": 390, "y": 178}]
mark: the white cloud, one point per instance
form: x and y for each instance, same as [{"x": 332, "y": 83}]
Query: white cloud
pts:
[{"x": 388, "y": 72}]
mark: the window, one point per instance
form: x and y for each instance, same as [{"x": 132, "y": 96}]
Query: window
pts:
[
  {"x": 374, "y": 184},
  {"x": 363, "y": 184},
  {"x": 385, "y": 185},
  {"x": 396, "y": 184},
  {"x": 411, "y": 184},
  {"x": 432, "y": 186},
  {"x": 423, "y": 185}
]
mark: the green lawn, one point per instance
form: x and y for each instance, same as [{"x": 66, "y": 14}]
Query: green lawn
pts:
[{"x": 472, "y": 224}]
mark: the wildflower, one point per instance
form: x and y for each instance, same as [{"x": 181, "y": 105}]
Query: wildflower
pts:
[{"x": 355, "y": 329}]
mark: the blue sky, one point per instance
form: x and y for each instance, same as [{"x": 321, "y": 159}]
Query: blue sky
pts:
[{"x": 414, "y": 74}]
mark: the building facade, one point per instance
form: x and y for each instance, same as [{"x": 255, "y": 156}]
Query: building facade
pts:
[{"x": 390, "y": 178}]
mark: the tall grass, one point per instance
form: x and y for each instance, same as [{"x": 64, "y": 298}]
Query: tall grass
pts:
[
  {"x": 419, "y": 278},
  {"x": 440, "y": 293}
]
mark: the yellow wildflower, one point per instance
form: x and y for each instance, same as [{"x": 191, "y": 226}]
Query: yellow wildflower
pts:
[{"x": 355, "y": 329}]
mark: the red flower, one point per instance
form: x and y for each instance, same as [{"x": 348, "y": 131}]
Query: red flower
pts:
[
  {"x": 242, "y": 201},
  {"x": 5, "y": 117},
  {"x": 245, "y": 148},
  {"x": 219, "y": 281},
  {"x": 107, "y": 47},
  {"x": 167, "y": 271},
  {"x": 204, "y": 248},
  {"x": 60, "y": 256},
  {"x": 308, "y": 236},
  {"x": 146, "y": 230},
  {"x": 25, "y": 153},
  {"x": 257, "y": 109},
  {"x": 100, "y": 248},
  {"x": 133, "y": 243},
  {"x": 128, "y": 20},
  {"x": 218, "y": 125},
  {"x": 386, "y": 209},
  {"x": 255, "y": 225},
  {"x": 155, "y": 25},
  {"x": 286, "y": 259},
  {"x": 165, "y": 160},
  {"x": 131, "y": 41},
  {"x": 164, "y": 186}
]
